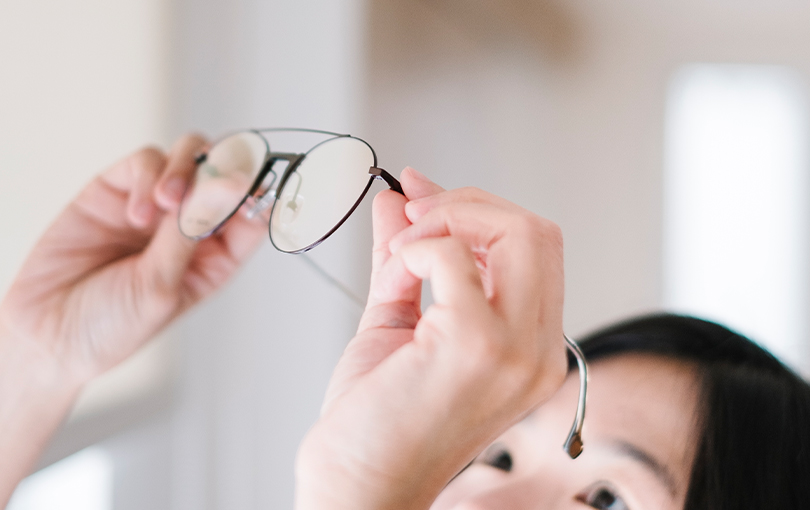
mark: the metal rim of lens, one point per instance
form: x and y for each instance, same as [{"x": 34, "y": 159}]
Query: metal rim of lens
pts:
[
  {"x": 345, "y": 217},
  {"x": 241, "y": 202}
]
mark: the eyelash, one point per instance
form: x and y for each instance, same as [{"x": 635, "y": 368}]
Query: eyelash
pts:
[
  {"x": 602, "y": 496},
  {"x": 497, "y": 456}
]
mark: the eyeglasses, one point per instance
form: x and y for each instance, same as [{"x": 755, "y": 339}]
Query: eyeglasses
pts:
[{"x": 313, "y": 180}]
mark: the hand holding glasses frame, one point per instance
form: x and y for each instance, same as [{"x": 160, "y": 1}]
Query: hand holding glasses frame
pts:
[
  {"x": 312, "y": 185},
  {"x": 312, "y": 191}
]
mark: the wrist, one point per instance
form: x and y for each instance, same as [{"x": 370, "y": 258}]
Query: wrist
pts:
[
  {"x": 33, "y": 367},
  {"x": 332, "y": 474},
  {"x": 46, "y": 369},
  {"x": 36, "y": 394}
]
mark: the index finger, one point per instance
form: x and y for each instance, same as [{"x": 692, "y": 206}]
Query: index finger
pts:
[
  {"x": 389, "y": 219},
  {"x": 520, "y": 254},
  {"x": 169, "y": 191}
]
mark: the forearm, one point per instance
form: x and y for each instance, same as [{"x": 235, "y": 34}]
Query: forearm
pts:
[{"x": 35, "y": 397}]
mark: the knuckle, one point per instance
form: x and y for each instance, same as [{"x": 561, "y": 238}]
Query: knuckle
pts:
[
  {"x": 528, "y": 225},
  {"x": 471, "y": 194},
  {"x": 549, "y": 371},
  {"x": 490, "y": 351},
  {"x": 193, "y": 140},
  {"x": 539, "y": 231},
  {"x": 552, "y": 232},
  {"x": 453, "y": 251},
  {"x": 148, "y": 160},
  {"x": 532, "y": 368}
]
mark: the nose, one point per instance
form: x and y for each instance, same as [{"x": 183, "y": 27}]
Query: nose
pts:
[{"x": 541, "y": 488}]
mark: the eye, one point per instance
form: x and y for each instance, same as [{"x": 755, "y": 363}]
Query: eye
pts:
[
  {"x": 497, "y": 456},
  {"x": 602, "y": 496}
]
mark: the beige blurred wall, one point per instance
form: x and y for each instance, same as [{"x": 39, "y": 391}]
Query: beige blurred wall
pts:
[
  {"x": 81, "y": 84},
  {"x": 559, "y": 106}
]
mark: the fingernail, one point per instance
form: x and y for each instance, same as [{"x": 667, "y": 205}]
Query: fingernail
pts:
[
  {"x": 417, "y": 174},
  {"x": 175, "y": 187}
]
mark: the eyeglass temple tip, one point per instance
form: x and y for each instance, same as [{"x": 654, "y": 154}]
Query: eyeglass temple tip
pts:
[
  {"x": 573, "y": 444},
  {"x": 389, "y": 179}
]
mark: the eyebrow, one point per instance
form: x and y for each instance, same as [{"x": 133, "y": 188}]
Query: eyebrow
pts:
[{"x": 660, "y": 470}]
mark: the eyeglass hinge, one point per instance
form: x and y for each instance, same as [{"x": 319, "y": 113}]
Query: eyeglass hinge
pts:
[{"x": 389, "y": 179}]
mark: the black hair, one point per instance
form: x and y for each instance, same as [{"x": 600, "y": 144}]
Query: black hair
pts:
[{"x": 753, "y": 450}]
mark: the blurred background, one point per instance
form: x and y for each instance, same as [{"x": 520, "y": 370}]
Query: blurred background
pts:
[{"x": 669, "y": 140}]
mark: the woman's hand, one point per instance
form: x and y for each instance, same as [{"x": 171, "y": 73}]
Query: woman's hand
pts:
[
  {"x": 108, "y": 274},
  {"x": 415, "y": 398},
  {"x": 113, "y": 269}
]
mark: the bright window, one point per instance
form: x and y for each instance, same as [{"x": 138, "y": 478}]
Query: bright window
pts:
[
  {"x": 736, "y": 195},
  {"x": 83, "y": 481}
]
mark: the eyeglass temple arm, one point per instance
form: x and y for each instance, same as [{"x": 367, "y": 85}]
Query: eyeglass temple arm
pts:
[
  {"x": 573, "y": 444},
  {"x": 389, "y": 179}
]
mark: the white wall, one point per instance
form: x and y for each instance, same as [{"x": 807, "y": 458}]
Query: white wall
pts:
[
  {"x": 559, "y": 106},
  {"x": 81, "y": 84}
]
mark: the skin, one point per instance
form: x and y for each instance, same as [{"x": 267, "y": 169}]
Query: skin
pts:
[
  {"x": 413, "y": 399},
  {"x": 637, "y": 403},
  {"x": 109, "y": 273}
]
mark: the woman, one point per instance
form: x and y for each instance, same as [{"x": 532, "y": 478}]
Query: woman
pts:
[
  {"x": 415, "y": 397},
  {"x": 738, "y": 438}
]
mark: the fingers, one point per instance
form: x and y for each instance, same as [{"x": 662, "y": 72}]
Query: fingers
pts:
[
  {"x": 145, "y": 168},
  {"x": 496, "y": 274},
  {"x": 242, "y": 237},
  {"x": 168, "y": 254},
  {"x": 131, "y": 179},
  {"x": 449, "y": 265},
  {"x": 166, "y": 258},
  {"x": 175, "y": 179},
  {"x": 478, "y": 224},
  {"x": 388, "y": 215},
  {"x": 389, "y": 219},
  {"x": 417, "y": 208},
  {"x": 519, "y": 253},
  {"x": 416, "y": 186}
]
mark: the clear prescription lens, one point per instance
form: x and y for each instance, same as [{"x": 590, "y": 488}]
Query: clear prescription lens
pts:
[
  {"x": 221, "y": 183},
  {"x": 320, "y": 192}
]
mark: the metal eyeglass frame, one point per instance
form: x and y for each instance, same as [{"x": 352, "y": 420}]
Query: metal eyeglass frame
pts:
[
  {"x": 573, "y": 444},
  {"x": 294, "y": 160}
]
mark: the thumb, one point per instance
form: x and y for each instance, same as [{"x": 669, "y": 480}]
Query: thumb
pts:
[
  {"x": 416, "y": 185},
  {"x": 167, "y": 257}
]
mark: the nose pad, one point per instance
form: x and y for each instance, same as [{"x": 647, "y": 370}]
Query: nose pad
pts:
[
  {"x": 208, "y": 170},
  {"x": 267, "y": 198},
  {"x": 262, "y": 203},
  {"x": 291, "y": 209},
  {"x": 291, "y": 201}
]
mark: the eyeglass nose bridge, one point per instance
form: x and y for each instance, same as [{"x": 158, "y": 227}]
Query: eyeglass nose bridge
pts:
[{"x": 266, "y": 199}]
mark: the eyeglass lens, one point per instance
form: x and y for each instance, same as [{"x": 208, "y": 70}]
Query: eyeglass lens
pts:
[
  {"x": 320, "y": 192},
  {"x": 316, "y": 190},
  {"x": 221, "y": 183}
]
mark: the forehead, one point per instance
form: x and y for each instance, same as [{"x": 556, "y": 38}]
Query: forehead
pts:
[{"x": 646, "y": 401}]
